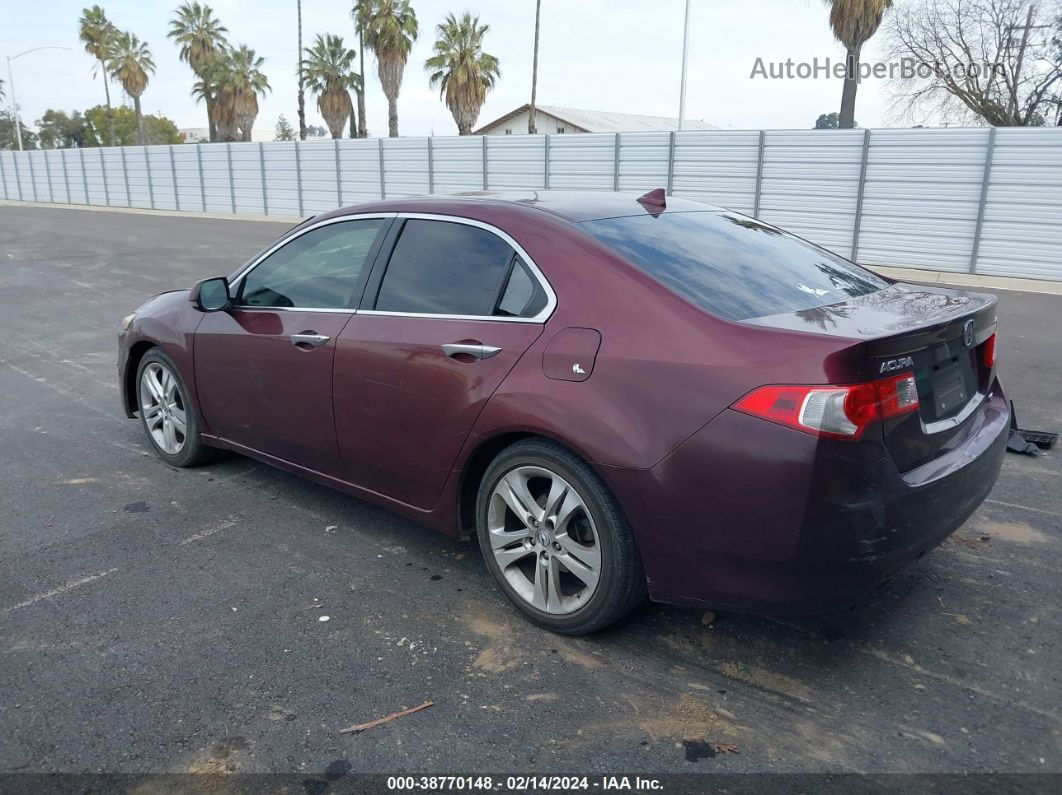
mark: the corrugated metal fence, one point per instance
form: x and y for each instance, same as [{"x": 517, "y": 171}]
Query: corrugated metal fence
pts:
[{"x": 971, "y": 200}]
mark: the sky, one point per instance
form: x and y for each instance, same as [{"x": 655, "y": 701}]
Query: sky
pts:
[{"x": 611, "y": 55}]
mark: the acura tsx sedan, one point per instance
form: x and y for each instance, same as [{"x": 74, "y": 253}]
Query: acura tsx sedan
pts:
[{"x": 617, "y": 395}]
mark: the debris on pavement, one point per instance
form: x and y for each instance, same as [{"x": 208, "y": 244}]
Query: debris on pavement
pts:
[
  {"x": 1027, "y": 442},
  {"x": 725, "y": 748},
  {"x": 372, "y": 724},
  {"x": 696, "y": 750},
  {"x": 971, "y": 541},
  {"x": 1018, "y": 444},
  {"x": 323, "y": 618}
]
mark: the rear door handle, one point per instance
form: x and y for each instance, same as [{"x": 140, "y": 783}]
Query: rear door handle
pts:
[
  {"x": 479, "y": 351},
  {"x": 311, "y": 339}
]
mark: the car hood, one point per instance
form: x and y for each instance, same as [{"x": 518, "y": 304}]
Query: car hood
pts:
[{"x": 160, "y": 300}]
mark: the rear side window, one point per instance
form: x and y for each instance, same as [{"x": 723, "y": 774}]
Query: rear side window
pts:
[
  {"x": 523, "y": 295},
  {"x": 444, "y": 268},
  {"x": 733, "y": 266}
]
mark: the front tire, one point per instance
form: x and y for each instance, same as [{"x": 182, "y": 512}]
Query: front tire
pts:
[
  {"x": 167, "y": 413},
  {"x": 556, "y": 540}
]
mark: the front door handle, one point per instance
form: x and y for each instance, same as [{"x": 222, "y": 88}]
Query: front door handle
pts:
[
  {"x": 479, "y": 351},
  {"x": 308, "y": 339}
]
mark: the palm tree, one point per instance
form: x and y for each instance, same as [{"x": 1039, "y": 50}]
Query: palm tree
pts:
[
  {"x": 130, "y": 64},
  {"x": 234, "y": 79},
  {"x": 853, "y": 22},
  {"x": 302, "y": 82},
  {"x": 390, "y": 30},
  {"x": 202, "y": 40},
  {"x": 97, "y": 32},
  {"x": 531, "y": 128},
  {"x": 463, "y": 72},
  {"x": 242, "y": 82},
  {"x": 214, "y": 84},
  {"x": 329, "y": 72},
  {"x": 360, "y": 15}
]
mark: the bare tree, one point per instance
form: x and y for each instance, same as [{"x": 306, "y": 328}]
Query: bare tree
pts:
[
  {"x": 1056, "y": 43},
  {"x": 991, "y": 61}
]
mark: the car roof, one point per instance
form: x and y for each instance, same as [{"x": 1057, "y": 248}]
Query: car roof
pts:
[{"x": 572, "y": 206}]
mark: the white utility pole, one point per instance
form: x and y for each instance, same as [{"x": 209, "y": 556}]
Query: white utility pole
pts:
[
  {"x": 685, "y": 53},
  {"x": 11, "y": 81},
  {"x": 14, "y": 103}
]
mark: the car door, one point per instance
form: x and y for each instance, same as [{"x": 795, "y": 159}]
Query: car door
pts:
[
  {"x": 454, "y": 308},
  {"x": 264, "y": 366}
]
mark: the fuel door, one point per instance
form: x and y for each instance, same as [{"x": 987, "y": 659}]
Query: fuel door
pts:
[{"x": 570, "y": 355}]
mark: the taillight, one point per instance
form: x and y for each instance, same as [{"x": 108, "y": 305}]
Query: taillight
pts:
[
  {"x": 897, "y": 395},
  {"x": 990, "y": 352},
  {"x": 838, "y": 412}
]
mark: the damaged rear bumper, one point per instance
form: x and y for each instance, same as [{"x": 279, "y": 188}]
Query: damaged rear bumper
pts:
[{"x": 749, "y": 515}]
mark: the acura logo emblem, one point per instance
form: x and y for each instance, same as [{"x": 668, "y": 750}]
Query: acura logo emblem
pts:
[{"x": 968, "y": 333}]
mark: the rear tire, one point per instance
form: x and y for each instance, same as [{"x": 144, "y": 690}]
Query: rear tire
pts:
[
  {"x": 167, "y": 413},
  {"x": 556, "y": 540}
]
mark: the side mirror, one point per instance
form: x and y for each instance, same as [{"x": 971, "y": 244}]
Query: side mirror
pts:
[{"x": 211, "y": 295}]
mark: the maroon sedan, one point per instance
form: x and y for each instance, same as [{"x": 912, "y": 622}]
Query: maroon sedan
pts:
[{"x": 616, "y": 396}]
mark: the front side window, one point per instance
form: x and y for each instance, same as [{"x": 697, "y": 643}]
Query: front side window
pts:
[
  {"x": 319, "y": 269},
  {"x": 445, "y": 268},
  {"x": 733, "y": 266}
]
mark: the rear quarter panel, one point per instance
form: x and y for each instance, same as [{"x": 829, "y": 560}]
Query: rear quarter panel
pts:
[{"x": 664, "y": 368}]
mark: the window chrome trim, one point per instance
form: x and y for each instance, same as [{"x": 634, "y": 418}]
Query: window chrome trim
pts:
[
  {"x": 547, "y": 288},
  {"x": 339, "y": 311},
  {"x": 958, "y": 419},
  {"x": 242, "y": 273},
  {"x": 486, "y": 318}
]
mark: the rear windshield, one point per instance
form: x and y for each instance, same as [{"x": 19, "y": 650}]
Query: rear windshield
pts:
[{"x": 733, "y": 266}]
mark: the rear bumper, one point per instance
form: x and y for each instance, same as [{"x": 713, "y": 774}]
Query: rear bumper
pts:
[{"x": 749, "y": 515}]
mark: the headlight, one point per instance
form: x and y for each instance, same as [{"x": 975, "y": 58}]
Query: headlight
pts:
[{"x": 127, "y": 320}]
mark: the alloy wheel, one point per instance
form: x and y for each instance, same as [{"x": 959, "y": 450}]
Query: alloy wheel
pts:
[
  {"x": 544, "y": 539},
  {"x": 163, "y": 408}
]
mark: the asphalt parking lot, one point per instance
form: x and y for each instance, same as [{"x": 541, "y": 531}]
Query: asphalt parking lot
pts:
[{"x": 157, "y": 620}]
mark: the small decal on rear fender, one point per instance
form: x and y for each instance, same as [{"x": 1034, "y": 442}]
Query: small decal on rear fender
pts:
[{"x": 571, "y": 353}]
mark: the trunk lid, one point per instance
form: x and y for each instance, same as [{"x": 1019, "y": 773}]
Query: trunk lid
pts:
[{"x": 938, "y": 334}]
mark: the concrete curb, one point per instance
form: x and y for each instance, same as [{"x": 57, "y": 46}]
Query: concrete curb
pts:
[
  {"x": 272, "y": 219},
  {"x": 969, "y": 280},
  {"x": 903, "y": 274}
]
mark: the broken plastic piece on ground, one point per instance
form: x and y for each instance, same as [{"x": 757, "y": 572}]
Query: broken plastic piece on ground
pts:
[
  {"x": 1041, "y": 439},
  {"x": 360, "y": 727},
  {"x": 1027, "y": 442},
  {"x": 1017, "y": 444}
]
